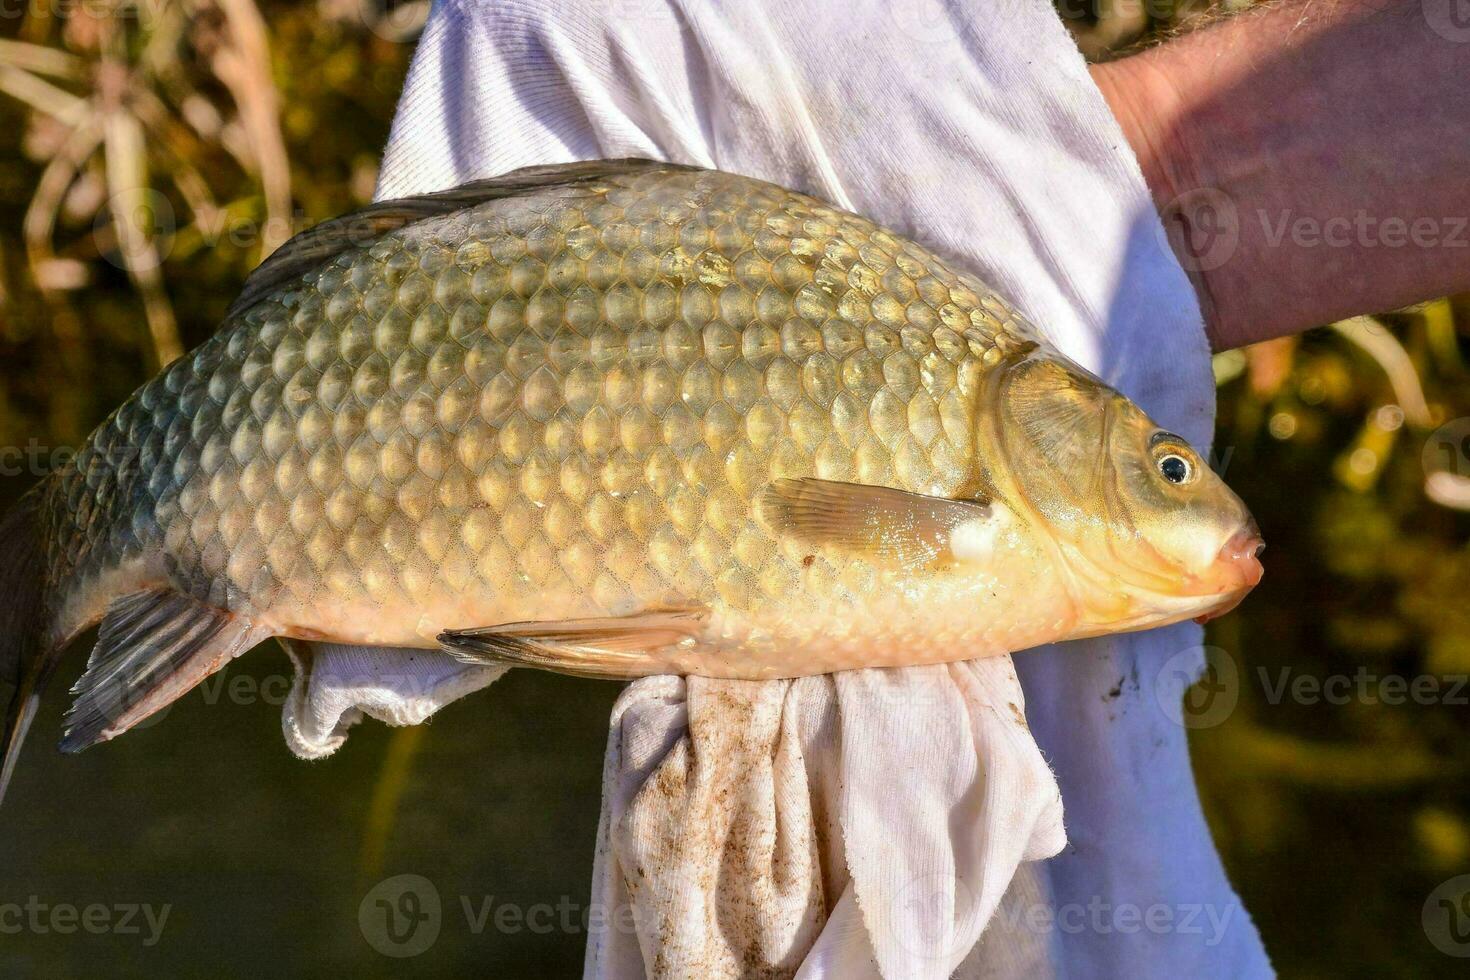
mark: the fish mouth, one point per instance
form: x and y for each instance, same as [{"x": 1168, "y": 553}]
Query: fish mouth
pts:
[
  {"x": 1242, "y": 554},
  {"x": 1240, "y": 559},
  {"x": 1231, "y": 576}
]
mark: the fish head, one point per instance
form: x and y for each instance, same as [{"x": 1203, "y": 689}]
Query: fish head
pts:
[{"x": 1144, "y": 532}]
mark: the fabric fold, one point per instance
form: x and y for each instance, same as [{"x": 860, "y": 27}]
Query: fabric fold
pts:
[
  {"x": 825, "y": 825},
  {"x": 336, "y": 685}
]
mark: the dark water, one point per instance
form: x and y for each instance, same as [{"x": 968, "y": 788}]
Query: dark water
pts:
[{"x": 257, "y": 857}]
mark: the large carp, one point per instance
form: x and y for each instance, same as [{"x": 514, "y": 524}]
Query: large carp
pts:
[{"x": 612, "y": 418}]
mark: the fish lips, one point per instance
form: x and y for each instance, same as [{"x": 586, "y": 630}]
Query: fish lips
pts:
[{"x": 1240, "y": 557}]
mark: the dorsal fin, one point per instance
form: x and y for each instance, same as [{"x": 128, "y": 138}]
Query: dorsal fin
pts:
[{"x": 325, "y": 241}]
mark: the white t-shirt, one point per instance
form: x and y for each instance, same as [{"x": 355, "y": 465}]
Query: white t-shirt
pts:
[{"x": 871, "y": 822}]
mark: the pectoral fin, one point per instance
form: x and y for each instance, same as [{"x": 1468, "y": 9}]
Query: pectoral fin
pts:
[
  {"x": 152, "y": 647},
  {"x": 894, "y": 525},
  {"x": 611, "y": 646}
]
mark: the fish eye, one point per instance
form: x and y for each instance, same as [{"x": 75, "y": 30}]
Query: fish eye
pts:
[{"x": 1175, "y": 468}]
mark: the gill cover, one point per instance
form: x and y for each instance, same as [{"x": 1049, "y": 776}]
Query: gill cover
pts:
[
  {"x": 1050, "y": 426},
  {"x": 1130, "y": 503}
]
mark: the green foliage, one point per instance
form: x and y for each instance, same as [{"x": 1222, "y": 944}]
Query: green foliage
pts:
[{"x": 1336, "y": 787}]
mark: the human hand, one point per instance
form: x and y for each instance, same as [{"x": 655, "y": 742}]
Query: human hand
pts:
[{"x": 1308, "y": 159}]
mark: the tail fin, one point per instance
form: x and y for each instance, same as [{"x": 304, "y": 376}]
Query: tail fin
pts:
[{"x": 25, "y": 665}]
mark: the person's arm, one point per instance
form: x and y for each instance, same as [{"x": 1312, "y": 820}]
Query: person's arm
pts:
[{"x": 1311, "y": 159}]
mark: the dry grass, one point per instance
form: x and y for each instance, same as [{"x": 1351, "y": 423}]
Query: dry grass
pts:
[{"x": 121, "y": 102}]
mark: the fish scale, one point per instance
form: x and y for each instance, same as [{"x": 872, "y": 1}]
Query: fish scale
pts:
[
  {"x": 612, "y": 418},
  {"x": 559, "y": 404}
]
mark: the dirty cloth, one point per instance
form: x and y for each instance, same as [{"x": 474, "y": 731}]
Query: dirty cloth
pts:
[{"x": 872, "y": 822}]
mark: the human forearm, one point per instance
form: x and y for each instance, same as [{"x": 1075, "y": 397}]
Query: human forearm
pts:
[{"x": 1311, "y": 159}]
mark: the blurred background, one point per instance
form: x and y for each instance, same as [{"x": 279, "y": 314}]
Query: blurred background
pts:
[{"x": 152, "y": 152}]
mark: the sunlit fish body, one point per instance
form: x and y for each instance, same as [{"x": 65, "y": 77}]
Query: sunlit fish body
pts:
[{"x": 613, "y": 418}]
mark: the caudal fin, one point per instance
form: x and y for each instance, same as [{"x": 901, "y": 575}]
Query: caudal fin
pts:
[{"x": 24, "y": 662}]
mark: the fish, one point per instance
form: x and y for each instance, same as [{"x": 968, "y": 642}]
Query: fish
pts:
[{"x": 611, "y": 418}]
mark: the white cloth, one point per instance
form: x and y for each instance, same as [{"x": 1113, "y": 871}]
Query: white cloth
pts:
[
  {"x": 868, "y": 823},
  {"x": 336, "y": 686}
]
